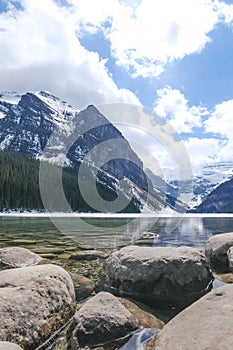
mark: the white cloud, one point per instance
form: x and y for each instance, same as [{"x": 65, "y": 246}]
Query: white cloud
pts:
[
  {"x": 225, "y": 11},
  {"x": 145, "y": 35},
  {"x": 40, "y": 51},
  {"x": 173, "y": 105},
  {"x": 203, "y": 150},
  {"x": 221, "y": 120},
  {"x": 203, "y": 147},
  {"x": 157, "y": 32}
]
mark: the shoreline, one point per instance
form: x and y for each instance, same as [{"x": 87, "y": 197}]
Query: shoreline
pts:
[{"x": 115, "y": 215}]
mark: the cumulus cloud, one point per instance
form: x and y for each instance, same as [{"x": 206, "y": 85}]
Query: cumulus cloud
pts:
[
  {"x": 221, "y": 121},
  {"x": 212, "y": 141},
  {"x": 157, "y": 32},
  {"x": 173, "y": 105},
  {"x": 203, "y": 150},
  {"x": 40, "y": 50},
  {"x": 145, "y": 35}
]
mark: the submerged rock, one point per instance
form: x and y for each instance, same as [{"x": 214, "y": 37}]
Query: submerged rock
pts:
[
  {"x": 83, "y": 286},
  {"x": 102, "y": 319},
  {"x": 160, "y": 276},
  {"x": 216, "y": 251},
  {"x": 141, "y": 313},
  {"x": 88, "y": 255},
  {"x": 205, "y": 325},
  {"x": 14, "y": 257},
  {"x": 35, "y": 302}
]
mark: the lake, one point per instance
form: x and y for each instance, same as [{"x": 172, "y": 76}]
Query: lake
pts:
[
  {"x": 111, "y": 232},
  {"x": 58, "y": 236}
]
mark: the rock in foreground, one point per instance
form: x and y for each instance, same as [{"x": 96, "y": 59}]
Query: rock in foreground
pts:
[
  {"x": 35, "y": 302},
  {"x": 102, "y": 319},
  {"x": 83, "y": 286},
  {"x": 5, "y": 345},
  {"x": 216, "y": 251},
  {"x": 13, "y": 257},
  {"x": 205, "y": 325},
  {"x": 160, "y": 276}
]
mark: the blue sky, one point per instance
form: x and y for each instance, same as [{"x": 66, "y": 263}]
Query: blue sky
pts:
[{"x": 174, "y": 57}]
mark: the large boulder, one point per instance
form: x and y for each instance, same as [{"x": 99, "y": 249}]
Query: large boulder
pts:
[
  {"x": 102, "y": 319},
  {"x": 13, "y": 257},
  {"x": 205, "y": 325},
  {"x": 5, "y": 345},
  {"x": 35, "y": 302},
  {"x": 216, "y": 251},
  {"x": 159, "y": 276},
  {"x": 230, "y": 259}
]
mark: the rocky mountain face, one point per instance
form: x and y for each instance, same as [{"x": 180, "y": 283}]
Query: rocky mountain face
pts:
[
  {"x": 42, "y": 126},
  {"x": 220, "y": 200}
]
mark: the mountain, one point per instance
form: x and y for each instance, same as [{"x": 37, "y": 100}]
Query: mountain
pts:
[
  {"x": 18, "y": 194},
  {"x": 41, "y": 126},
  {"x": 219, "y": 200},
  {"x": 204, "y": 180},
  {"x": 169, "y": 192}
]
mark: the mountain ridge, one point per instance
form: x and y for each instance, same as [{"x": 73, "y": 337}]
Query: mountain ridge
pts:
[{"x": 39, "y": 125}]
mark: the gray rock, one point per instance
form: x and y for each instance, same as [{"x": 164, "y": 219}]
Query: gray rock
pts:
[
  {"x": 102, "y": 319},
  {"x": 5, "y": 345},
  {"x": 205, "y": 325},
  {"x": 141, "y": 313},
  {"x": 35, "y": 302},
  {"x": 160, "y": 276},
  {"x": 83, "y": 286},
  {"x": 13, "y": 257},
  {"x": 88, "y": 255},
  {"x": 230, "y": 259},
  {"x": 216, "y": 251}
]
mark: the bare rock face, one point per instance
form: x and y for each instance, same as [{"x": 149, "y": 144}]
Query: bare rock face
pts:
[
  {"x": 5, "y": 345},
  {"x": 205, "y": 325},
  {"x": 102, "y": 319},
  {"x": 216, "y": 252},
  {"x": 35, "y": 302},
  {"x": 13, "y": 257},
  {"x": 160, "y": 276}
]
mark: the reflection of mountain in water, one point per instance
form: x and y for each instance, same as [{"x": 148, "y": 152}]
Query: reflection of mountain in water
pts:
[{"x": 189, "y": 231}]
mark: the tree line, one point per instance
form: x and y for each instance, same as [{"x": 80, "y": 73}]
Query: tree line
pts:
[{"x": 20, "y": 189}]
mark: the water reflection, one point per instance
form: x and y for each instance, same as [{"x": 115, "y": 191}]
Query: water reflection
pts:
[
  {"x": 111, "y": 232},
  {"x": 192, "y": 231}
]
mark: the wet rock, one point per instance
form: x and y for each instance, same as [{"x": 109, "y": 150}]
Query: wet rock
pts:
[
  {"x": 145, "y": 319},
  {"x": 14, "y": 257},
  {"x": 205, "y": 325},
  {"x": 83, "y": 286},
  {"x": 4, "y": 345},
  {"x": 86, "y": 247},
  {"x": 102, "y": 319},
  {"x": 216, "y": 252},
  {"x": 48, "y": 256},
  {"x": 224, "y": 278},
  {"x": 88, "y": 255},
  {"x": 48, "y": 250},
  {"x": 230, "y": 259},
  {"x": 159, "y": 276},
  {"x": 25, "y": 241},
  {"x": 35, "y": 302}
]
